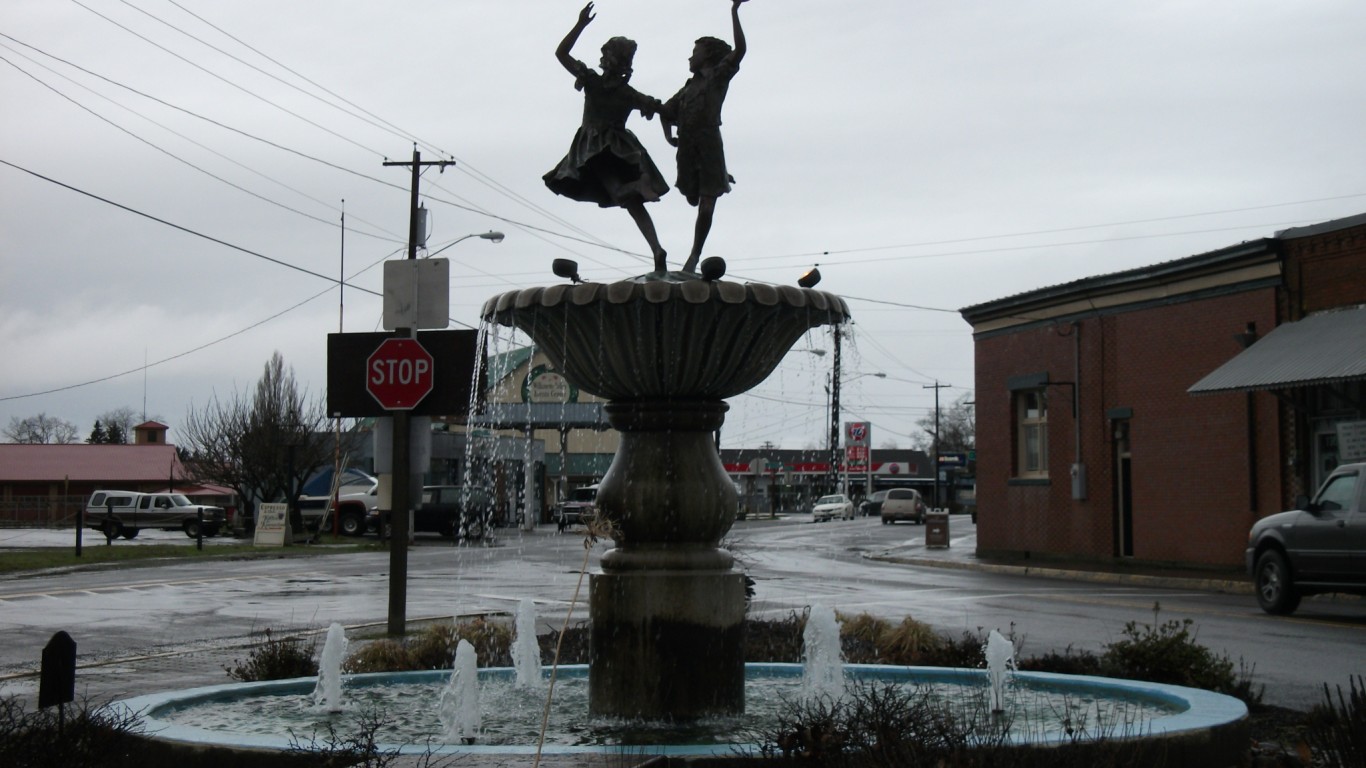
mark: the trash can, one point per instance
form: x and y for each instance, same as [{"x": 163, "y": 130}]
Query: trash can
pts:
[{"x": 937, "y": 528}]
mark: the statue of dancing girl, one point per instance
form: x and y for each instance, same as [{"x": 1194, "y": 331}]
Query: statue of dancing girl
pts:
[{"x": 606, "y": 163}]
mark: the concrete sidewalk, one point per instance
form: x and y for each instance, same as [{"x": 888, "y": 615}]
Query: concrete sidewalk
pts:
[{"x": 962, "y": 554}]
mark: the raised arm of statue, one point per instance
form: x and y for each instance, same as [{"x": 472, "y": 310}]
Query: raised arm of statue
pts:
[{"x": 567, "y": 44}]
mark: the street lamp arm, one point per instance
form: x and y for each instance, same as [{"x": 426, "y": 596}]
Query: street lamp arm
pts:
[{"x": 496, "y": 237}]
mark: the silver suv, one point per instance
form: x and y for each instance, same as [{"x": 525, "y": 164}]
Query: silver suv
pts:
[
  {"x": 902, "y": 504},
  {"x": 1320, "y": 546}
]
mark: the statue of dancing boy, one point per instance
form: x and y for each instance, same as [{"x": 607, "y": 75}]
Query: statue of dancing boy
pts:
[
  {"x": 606, "y": 163},
  {"x": 696, "y": 111}
]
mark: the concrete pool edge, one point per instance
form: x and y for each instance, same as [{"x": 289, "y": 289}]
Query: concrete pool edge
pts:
[{"x": 1208, "y": 724}]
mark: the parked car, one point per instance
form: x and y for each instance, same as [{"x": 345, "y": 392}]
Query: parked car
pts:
[
  {"x": 872, "y": 505},
  {"x": 582, "y": 503},
  {"x": 902, "y": 504},
  {"x": 124, "y": 513},
  {"x": 832, "y": 506},
  {"x": 1320, "y": 546},
  {"x": 454, "y": 510}
]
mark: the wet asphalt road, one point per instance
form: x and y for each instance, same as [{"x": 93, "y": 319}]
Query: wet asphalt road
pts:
[{"x": 178, "y": 624}]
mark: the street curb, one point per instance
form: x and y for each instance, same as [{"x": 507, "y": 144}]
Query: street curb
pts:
[{"x": 1098, "y": 577}]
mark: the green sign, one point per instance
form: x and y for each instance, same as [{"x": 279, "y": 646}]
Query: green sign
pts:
[{"x": 544, "y": 384}]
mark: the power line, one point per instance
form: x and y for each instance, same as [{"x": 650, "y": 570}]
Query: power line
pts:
[
  {"x": 187, "y": 230},
  {"x": 225, "y": 80}
]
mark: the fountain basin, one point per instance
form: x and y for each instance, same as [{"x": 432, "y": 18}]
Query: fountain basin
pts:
[{"x": 1207, "y": 725}]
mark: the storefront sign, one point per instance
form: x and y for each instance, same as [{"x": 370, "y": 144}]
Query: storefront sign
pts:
[
  {"x": 1351, "y": 441},
  {"x": 272, "y": 525}
]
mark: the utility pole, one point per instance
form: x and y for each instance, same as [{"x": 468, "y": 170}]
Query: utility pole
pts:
[
  {"x": 936, "y": 386},
  {"x": 400, "y": 497},
  {"x": 835, "y": 415}
]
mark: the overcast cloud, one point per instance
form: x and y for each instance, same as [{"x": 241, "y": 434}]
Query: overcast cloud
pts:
[{"x": 929, "y": 156}]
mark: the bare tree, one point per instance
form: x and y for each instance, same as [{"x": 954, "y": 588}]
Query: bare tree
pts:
[
  {"x": 263, "y": 447},
  {"x": 41, "y": 429},
  {"x": 957, "y": 428},
  {"x": 118, "y": 423}
]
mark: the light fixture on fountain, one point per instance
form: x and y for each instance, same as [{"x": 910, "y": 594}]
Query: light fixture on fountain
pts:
[
  {"x": 713, "y": 268},
  {"x": 811, "y": 277},
  {"x": 566, "y": 268}
]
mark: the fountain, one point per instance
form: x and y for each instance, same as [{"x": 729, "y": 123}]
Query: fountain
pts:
[
  {"x": 458, "y": 706},
  {"x": 1000, "y": 654},
  {"x": 526, "y": 652},
  {"x": 328, "y": 692},
  {"x": 823, "y": 660},
  {"x": 666, "y": 350}
]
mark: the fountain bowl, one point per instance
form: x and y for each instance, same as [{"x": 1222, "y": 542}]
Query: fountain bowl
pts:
[{"x": 1198, "y": 727}]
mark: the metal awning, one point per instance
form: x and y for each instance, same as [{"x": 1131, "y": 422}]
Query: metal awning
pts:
[{"x": 1324, "y": 348}]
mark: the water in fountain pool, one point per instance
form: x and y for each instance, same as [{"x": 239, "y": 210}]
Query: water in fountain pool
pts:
[
  {"x": 511, "y": 715},
  {"x": 526, "y": 652}
]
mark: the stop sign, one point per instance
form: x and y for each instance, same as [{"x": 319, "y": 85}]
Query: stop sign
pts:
[{"x": 399, "y": 373}]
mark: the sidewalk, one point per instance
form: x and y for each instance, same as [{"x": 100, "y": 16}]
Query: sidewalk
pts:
[{"x": 962, "y": 554}]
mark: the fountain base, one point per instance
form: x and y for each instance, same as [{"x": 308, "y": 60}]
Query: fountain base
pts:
[{"x": 667, "y": 644}]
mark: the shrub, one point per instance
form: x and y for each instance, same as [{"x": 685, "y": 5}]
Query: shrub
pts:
[
  {"x": 1166, "y": 652},
  {"x": 1337, "y": 730},
  {"x": 80, "y": 735},
  {"x": 276, "y": 659}
]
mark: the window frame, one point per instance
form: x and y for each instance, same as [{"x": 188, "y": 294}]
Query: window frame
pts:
[{"x": 1031, "y": 433}]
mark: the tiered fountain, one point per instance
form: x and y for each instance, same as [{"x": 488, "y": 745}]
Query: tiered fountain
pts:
[{"x": 666, "y": 350}]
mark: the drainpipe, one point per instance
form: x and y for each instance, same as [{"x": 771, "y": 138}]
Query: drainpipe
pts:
[{"x": 1078, "y": 468}]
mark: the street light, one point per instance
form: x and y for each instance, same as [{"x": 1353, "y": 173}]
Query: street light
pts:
[{"x": 491, "y": 236}]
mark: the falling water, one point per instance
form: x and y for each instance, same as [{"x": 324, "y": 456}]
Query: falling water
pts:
[
  {"x": 823, "y": 660},
  {"x": 458, "y": 707},
  {"x": 1000, "y": 658},
  {"x": 526, "y": 653},
  {"x": 328, "y": 693}
]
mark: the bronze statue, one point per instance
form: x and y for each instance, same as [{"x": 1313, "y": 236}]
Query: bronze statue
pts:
[
  {"x": 696, "y": 111},
  {"x": 606, "y": 163}
]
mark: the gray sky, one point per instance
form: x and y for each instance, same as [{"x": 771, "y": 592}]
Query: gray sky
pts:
[{"x": 929, "y": 156}]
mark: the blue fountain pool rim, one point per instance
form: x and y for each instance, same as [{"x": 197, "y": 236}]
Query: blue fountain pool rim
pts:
[{"x": 1195, "y": 709}]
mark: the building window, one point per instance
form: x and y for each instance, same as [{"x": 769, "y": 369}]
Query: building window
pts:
[{"x": 1031, "y": 431}]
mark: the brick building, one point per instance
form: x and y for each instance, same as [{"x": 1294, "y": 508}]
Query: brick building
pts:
[{"x": 1156, "y": 413}]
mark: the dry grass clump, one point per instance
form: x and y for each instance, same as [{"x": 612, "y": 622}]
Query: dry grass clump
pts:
[
  {"x": 868, "y": 639},
  {"x": 434, "y": 647}
]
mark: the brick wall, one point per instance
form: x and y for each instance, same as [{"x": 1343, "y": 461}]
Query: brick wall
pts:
[{"x": 1191, "y": 497}]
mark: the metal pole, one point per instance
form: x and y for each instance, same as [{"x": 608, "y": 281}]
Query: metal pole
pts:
[
  {"x": 400, "y": 496},
  {"x": 835, "y": 415},
  {"x": 936, "y": 386}
]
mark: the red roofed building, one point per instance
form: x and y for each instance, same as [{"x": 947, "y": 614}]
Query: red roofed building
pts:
[{"x": 46, "y": 484}]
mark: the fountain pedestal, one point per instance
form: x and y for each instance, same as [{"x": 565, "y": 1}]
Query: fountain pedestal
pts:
[{"x": 667, "y": 610}]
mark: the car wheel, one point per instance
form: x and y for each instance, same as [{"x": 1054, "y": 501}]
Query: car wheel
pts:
[
  {"x": 474, "y": 529},
  {"x": 129, "y": 533},
  {"x": 1275, "y": 589},
  {"x": 111, "y": 529},
  {"x": 192, "y": 528},
  {"x": 886, "y": 521},
  {"x": 352, "y": 523}
]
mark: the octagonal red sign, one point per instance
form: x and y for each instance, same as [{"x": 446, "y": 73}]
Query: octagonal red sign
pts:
[{"x": 399, "y": 373}]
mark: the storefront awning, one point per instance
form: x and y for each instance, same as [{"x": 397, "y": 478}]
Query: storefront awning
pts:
[{"x": 1324, "y": 348}]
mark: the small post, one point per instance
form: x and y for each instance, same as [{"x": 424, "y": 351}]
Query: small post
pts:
[
  {"x": 199, "y": 532},
  {"x": 80, "y": 527},
  {"x": 57, "y": 679}
]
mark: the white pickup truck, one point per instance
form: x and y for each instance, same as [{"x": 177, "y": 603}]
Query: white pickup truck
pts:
[{"x": 124, "y": 513}]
